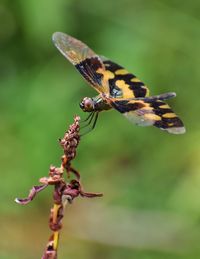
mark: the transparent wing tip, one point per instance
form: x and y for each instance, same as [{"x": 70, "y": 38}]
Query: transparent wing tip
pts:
[
  {"x": 67, "y": 45},
  {"x": 57, "y": 37},
  {"x": 166, "y": 96},
  {"x": 176, "y": 130}
]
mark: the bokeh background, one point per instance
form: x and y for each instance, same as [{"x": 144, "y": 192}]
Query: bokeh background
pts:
[{"x": 150, "y": 179}]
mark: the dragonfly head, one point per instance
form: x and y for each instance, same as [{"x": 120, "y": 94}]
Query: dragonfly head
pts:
[{"x": 87, "y": 104}]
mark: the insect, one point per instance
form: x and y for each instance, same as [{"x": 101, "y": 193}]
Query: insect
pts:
[{"x": 117, "y": 89}]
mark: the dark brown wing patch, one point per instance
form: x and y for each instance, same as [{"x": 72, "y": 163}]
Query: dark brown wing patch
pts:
[
  {"x": 88, "y": 68},
  {"x": 124, "y": 84},
  {"x": 83, "y": 58}
]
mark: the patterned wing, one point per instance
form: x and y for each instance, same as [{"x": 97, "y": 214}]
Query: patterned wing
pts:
[
  {"x": 149, "y": 112},
  {"x": 83, "y": 58},
  {"x": 104, "y": 75},
  {"x": 121, "y": 83}
]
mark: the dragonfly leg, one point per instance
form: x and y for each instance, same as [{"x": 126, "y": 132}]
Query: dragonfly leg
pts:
[
  {"x": 94, "y": 119},
  {"x": 88, "y": 120}
]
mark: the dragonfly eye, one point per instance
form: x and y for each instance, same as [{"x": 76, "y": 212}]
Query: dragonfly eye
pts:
[
  {"x": 87, "y": 104},
  {"x": 81, "y": 105}
]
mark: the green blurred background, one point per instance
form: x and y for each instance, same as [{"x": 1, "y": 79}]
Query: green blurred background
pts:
[{"x": 150, "y": 179}]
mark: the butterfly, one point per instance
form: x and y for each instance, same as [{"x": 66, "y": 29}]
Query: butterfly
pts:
[{"x": 117, "y": 88}]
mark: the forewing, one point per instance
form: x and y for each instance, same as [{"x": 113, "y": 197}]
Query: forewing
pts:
[
  {"x": 104, "y": 75},
  {"x": 121, "y": 83},
  {"x": 150, "y": 112},
  {"x": 83, "y": 58}
]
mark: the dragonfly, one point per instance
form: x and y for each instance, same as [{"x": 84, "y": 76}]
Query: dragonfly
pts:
[{"x": 117, "y": 89}]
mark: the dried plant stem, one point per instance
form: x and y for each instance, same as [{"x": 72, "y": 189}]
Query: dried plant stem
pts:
[
  {"x": 64, "y": 190},
  {"x": 52, "y": 245}
]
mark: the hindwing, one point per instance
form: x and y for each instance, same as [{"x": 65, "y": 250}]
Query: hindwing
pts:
[{"x": 149, "y": 112}]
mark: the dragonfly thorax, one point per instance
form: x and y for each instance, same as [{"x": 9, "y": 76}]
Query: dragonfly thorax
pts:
[{"x": 94, "y": 104}]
